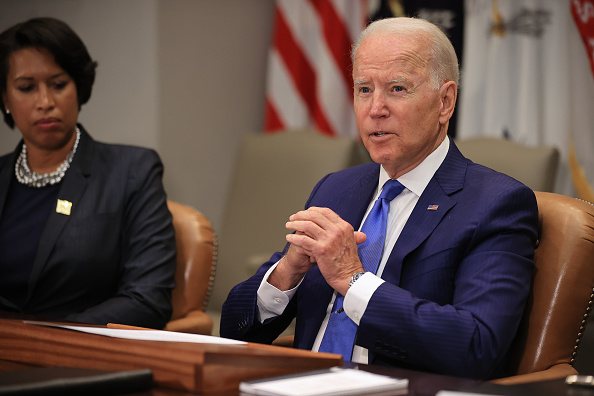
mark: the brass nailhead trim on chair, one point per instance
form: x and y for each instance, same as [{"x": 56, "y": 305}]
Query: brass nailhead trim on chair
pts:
[
  {"x": 582, "y": 329},
  {"x": 213, "y": 268},
  {"x": 586, "y": 315},
  {"x": 213, "y": 271}
]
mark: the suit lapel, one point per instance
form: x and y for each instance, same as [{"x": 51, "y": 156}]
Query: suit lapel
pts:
[
  {"x": 6, "y": 175},
  {"x": 448, "y": 179},
  {"x": 5, "y": 178},
  {"x": 73, "y": 187},
  {"x": 352, "y": 205}
]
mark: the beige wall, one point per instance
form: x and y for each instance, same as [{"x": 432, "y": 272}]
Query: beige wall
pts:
[
  {"x": 185, "y": 77},
  {"x": 212, "y": 67},
  {"x": 121, "y": 36}
]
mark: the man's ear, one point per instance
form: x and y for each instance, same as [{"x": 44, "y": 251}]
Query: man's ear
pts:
[{"x": 448, "y": 94}]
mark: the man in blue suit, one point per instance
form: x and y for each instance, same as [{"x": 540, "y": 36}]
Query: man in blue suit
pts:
[{"x": 457, "y": 258}]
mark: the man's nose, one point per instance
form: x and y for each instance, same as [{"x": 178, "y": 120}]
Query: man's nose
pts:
[{"x": 378, "y": 106}]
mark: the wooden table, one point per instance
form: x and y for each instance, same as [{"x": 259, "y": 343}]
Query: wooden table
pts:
[{"x": 182, "y": 368}]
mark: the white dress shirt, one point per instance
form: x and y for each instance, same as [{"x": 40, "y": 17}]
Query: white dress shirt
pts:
[{"x": 272, "y": 301}]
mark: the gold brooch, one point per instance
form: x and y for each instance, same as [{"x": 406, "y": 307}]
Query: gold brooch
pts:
[{"x": 64, "y": 207}]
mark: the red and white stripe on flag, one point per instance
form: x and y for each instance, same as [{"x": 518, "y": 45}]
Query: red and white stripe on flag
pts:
[
  {"x": 583, "y": 14},
  {"x": 309, "y": 83}
]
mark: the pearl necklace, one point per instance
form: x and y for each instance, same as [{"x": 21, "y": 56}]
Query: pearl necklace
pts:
[{"x": 33, "y": 179}]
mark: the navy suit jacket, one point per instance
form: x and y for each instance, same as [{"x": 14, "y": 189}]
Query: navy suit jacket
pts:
[
  {"x": 456, "y": 280},
  {"x": 113, "y": 258}
]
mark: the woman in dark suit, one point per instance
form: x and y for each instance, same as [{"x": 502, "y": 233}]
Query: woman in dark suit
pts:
[{"x": 85, "y": 233}]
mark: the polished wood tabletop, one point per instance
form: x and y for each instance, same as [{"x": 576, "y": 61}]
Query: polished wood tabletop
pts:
[{"x": 23, "y": 357}]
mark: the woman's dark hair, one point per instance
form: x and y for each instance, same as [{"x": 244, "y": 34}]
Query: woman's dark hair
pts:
[{"x": 61, "y": 41}]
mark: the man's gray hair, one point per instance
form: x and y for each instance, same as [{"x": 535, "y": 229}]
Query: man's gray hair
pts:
[{"x": 443, "y": 63}]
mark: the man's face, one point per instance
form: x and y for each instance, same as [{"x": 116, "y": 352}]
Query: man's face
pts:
[{"x": 397, "y": 110}]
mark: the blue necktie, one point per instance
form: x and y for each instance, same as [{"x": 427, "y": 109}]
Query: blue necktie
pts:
[{"x": 341, "y": 330}]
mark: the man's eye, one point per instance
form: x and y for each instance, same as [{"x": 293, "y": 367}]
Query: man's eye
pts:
[
  {"x": 398, "y": 88},
  {"x": 365, "y": 90}
]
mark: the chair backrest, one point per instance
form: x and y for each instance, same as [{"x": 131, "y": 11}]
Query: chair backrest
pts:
[
  {"x": 274, "y": 174},
  {"x": 196, "y": 262},
  {"x": 536, "y": 167},
  {"x": 561, "y": 296}
]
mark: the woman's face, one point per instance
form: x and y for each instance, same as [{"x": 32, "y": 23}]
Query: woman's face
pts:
[{"x": 42, "y": 99}]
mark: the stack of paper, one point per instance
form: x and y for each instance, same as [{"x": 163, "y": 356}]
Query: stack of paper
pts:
[{"x": 334, "y": 381}]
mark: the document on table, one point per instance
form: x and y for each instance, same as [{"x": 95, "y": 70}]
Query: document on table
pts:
[
  {"x": 146, "y": 335},
  {"x": 462, "y": 393},
  {"x": 333, "y": 381}
]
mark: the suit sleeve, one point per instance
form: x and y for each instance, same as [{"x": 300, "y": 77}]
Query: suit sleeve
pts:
[
  {"x": 469, "y": 335},
  {"x": 239, "y": 318},
  {"x": 148, "y": 257}
]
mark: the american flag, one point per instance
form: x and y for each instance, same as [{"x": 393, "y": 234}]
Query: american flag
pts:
[
  {"x": 309, "y": 83},
  {"x": 432, "y": 207}
]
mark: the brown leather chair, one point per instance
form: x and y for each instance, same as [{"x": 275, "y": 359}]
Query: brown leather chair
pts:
[
  {"x": 562, "y": 290},
  {"x": 196, "y": 265}
]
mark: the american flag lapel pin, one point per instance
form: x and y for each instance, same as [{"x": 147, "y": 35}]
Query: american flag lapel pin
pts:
[{"x": 432, "y": 207}]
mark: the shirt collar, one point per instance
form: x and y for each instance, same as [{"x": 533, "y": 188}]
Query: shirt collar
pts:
[{"x": 417, "y": 179}]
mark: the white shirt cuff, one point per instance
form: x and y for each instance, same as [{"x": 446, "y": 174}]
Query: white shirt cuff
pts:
[
  {"x": 272, "y": 301},
  {"x": 359, "y": 294}
]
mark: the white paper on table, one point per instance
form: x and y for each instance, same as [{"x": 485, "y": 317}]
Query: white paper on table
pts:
[
  {"x": 462, "y": 393},
  {"x": 145, "y": 335},
  {"x": 334, "y": 381}
]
